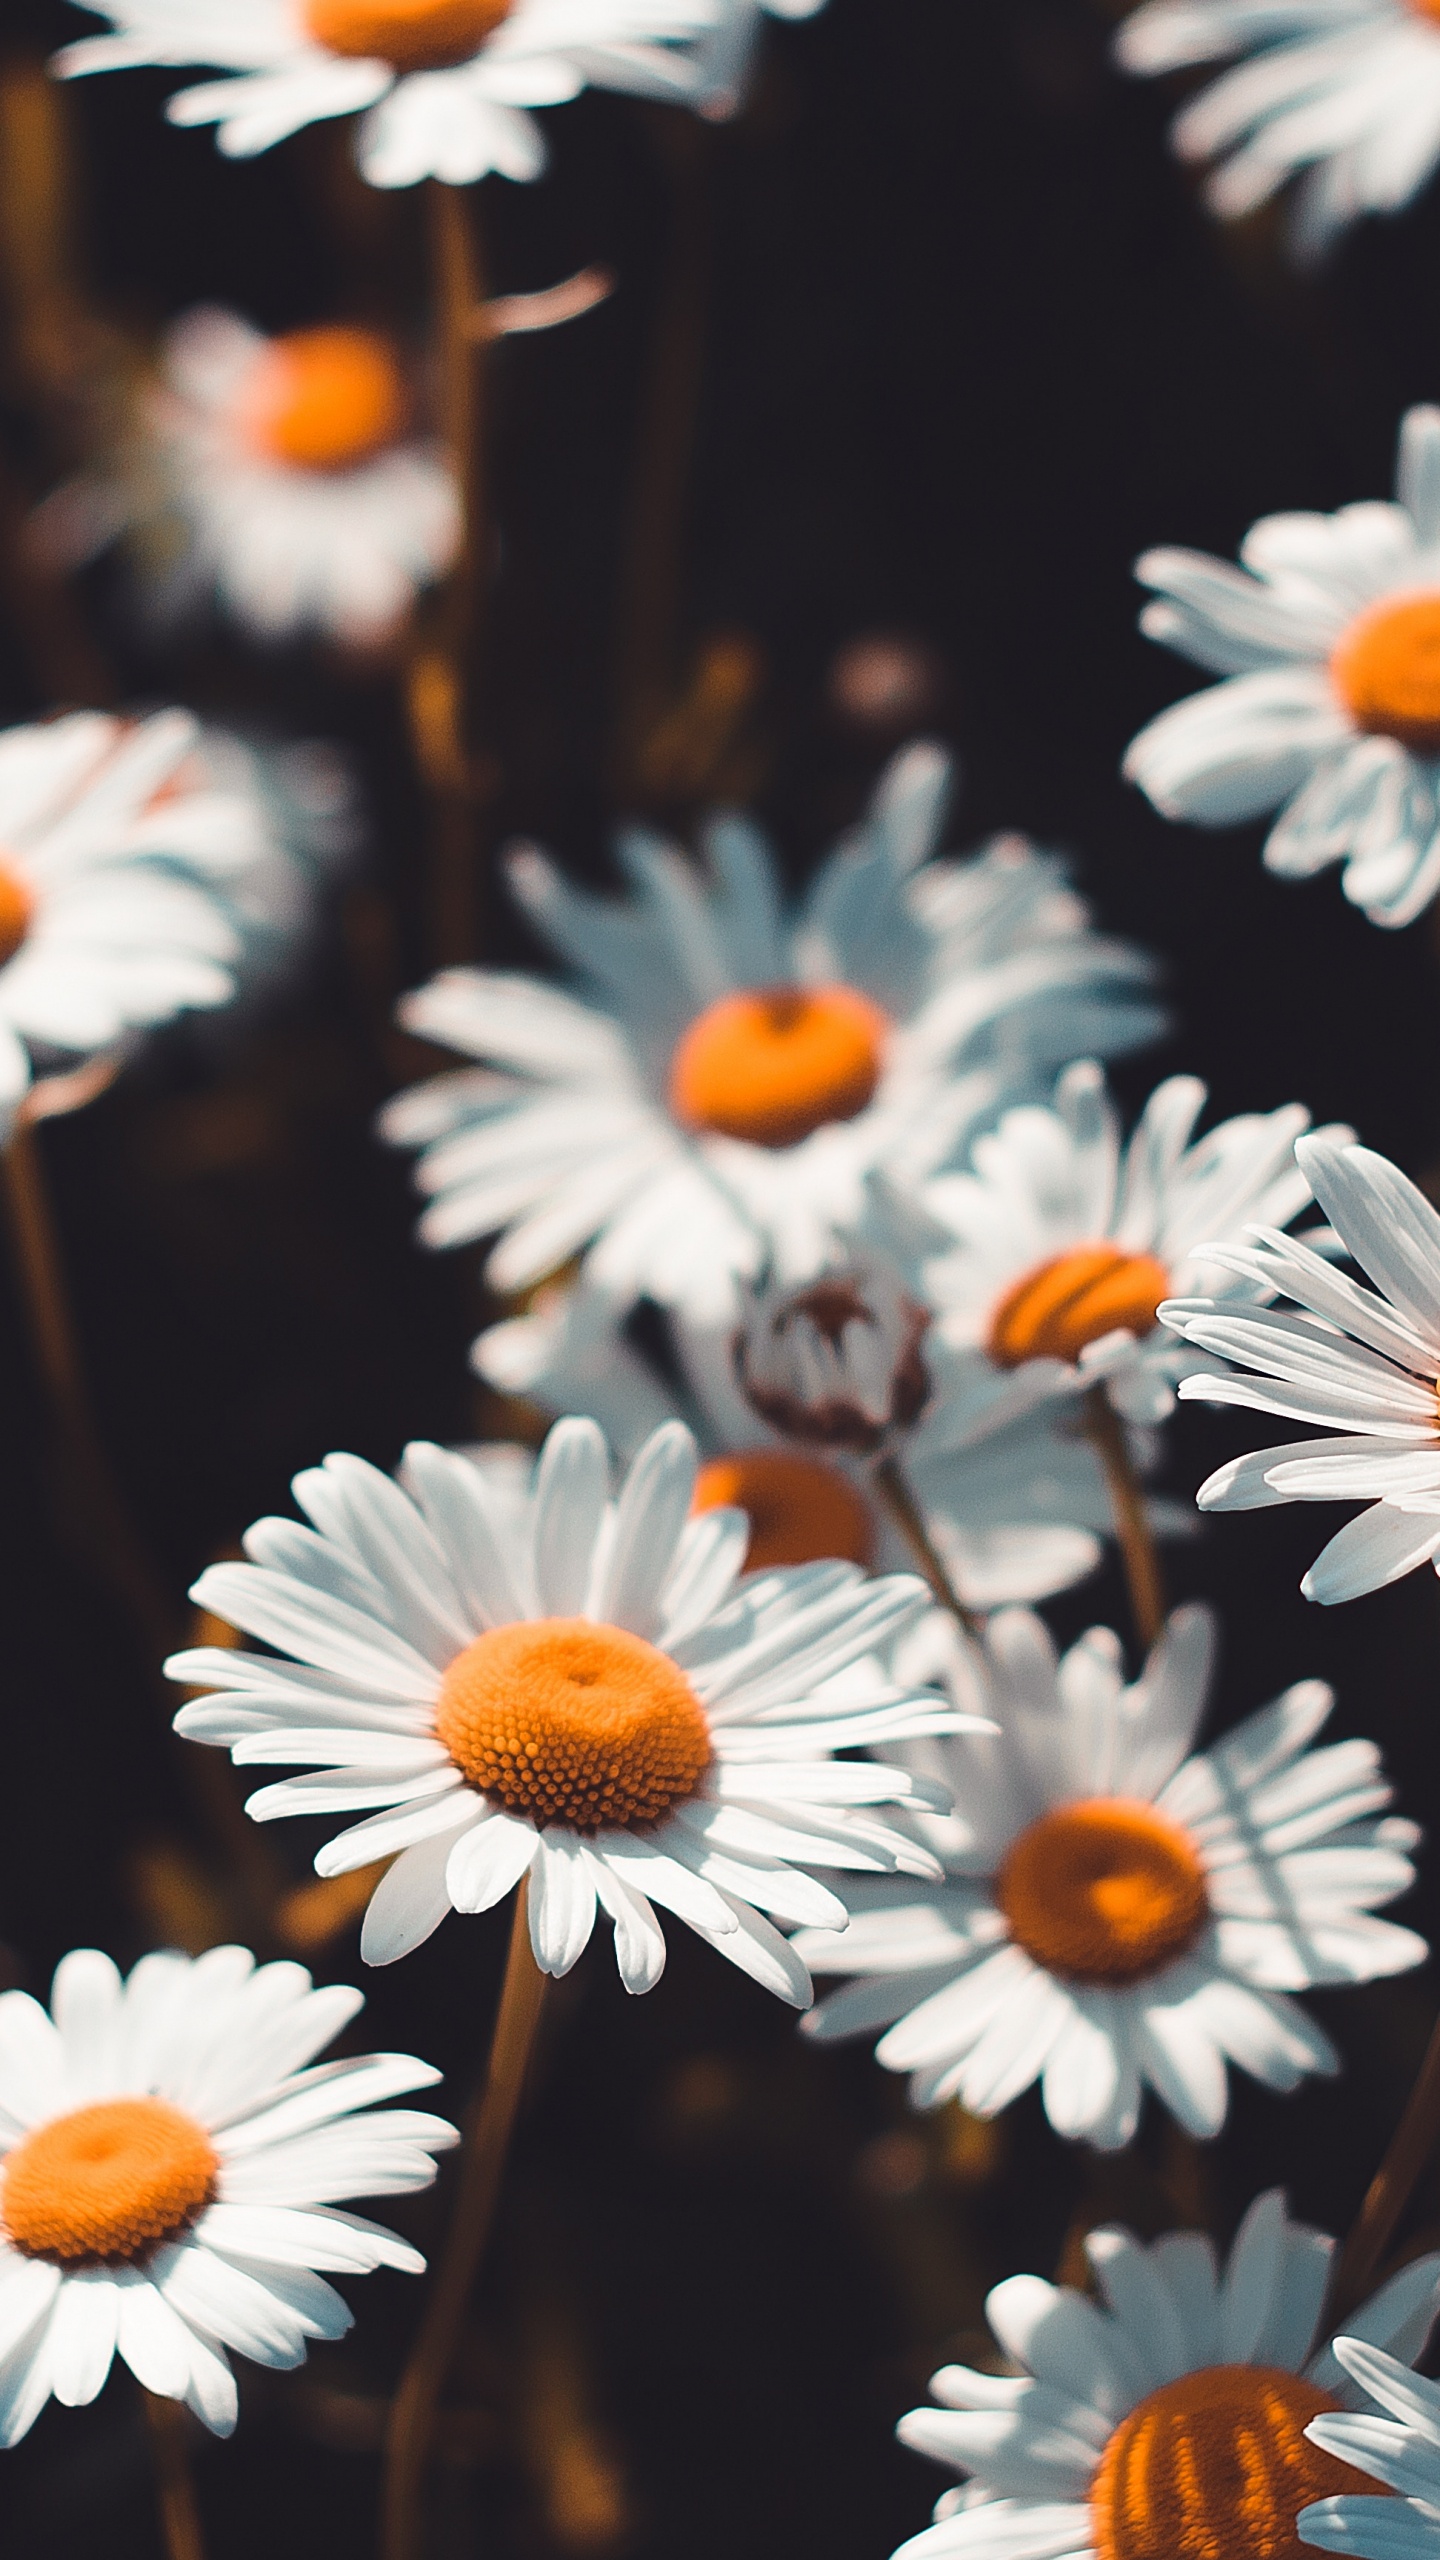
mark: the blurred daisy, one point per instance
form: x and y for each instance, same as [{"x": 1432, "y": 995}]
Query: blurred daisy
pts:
[
  {"x": 1066, "y": 1240},
  {"x": 280, "y": 476},
  {"x": 121, "y": 857},
  {"x": 1399, "y": 2453},
  {"x": 1341, "y": 95},
  {"x": 1170, "y": 2416},
  {"x": 1360, "y": 1362},
  {"x": 172, "y": 2164},
  {"x": 1115, "y": 1913},
  {"x": 716, "y": 1092},
  {"x": 446, "y": 82},
  {"x": 1328, "y": 638},
  {"x": 570, "y": 1688}
]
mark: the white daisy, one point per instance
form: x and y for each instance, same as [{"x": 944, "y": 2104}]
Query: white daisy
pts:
[
  {"x": 1400, "y": 2453},
  {"x": 120, "y": 858},
  {"x": 1328, "y": 638},
  {"x": 716, "y": 1092},
  {"x": 1360, "y": 1362},
  {"x": 172, "y": 2164},
  {"x": 1341, "y": 95},
  {"x": 1116, "y": 1913},
  {"x": 571, "y": 1688},
  {"x": 280, "y": 476},
  {"x": 446, "y": 82},
  {"x": 1066, "y": 1240},
  {"x": 1168, "y": 2418}
]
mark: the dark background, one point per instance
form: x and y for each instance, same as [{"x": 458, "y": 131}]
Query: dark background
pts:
[{"x": 970, "y": 344}]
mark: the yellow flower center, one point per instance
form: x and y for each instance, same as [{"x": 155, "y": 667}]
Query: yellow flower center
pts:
[
  {"x": 323, "y": 398},
  {"x": 107, "y": 2183},
  {"x": 411, "y": 35},
  {"x": 777, "y": 1062},
  {"x": 566, "y": 1721},
  {"x": 1386, "y": 666},
  {"x": 1056, "y": 1310},
  {"x": 1216, "y": 2466},
  {"x": 16, "y": 909},
  {"x": 800, "y": 1509},
  {"x": 1103, "y": 1891}
]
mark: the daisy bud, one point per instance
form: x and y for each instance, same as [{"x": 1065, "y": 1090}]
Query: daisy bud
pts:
[{"x": 836, "y": 1363}]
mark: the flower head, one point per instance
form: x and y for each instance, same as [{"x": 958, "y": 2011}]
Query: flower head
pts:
[
  {"x": 1117, "y": 1910},
  {"x": 1399, "y": 2454},
  {"x": 172, "y": 2165},
  {"x": 837, "y": 1362}
]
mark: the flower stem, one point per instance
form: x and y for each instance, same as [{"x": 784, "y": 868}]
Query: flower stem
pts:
[
  {"x": 169, "y": 2426},
  {"x": 1411, "y": 2146},
  {"x": 489, "y": 2123},
  {"x": 905, "y": 1511},
  {"x": 1136, "y": 1538}
]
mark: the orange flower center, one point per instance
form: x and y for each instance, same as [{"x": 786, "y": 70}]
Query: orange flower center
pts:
[
  {"x": 107, "y": 2183},
  {"x": 16, "y": 909},
  {"x": 323, "y": 398},
  {"x": 1386, "y": 666},
  {"x": 1103, "y": 1891},
  {"x": 411, "y": 35},
  {"x": 571, "y": 1722},
  {"x": 1216, "y": 2466},
  {"x": 800, "y": 1509},
  {"x": 1061, "y": 1306},
  {"x": 777, "y": 1062}
]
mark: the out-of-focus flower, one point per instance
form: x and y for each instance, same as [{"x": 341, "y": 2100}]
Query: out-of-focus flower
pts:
[
  {"x": 1341, "y": 95},
  {"x": 446, "y": 82},
  {"x": 1168, "y": 2417},
  {"x": 1066, "y": 1240},
  {"x": 172, "y": 2161},
  {"x": 1114, "y": 1912},
  {"x": 837, "y": 1363},
  {"x": 1328, "y": 638},
  {"x": 886, "y": 684},
  {"x": 280, "y": 477},
  {"x": 727, "y": 52},
  {"x": 121, "y": 858},
  {"x": 1399, "y": 2453},
  {"x": 716, "y": 1094},
  {"x": 571, "y": 1688},
  {"x": 1360, "y": 1362}
]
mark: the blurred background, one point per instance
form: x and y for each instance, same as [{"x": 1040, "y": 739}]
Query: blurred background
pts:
[{"x": 957, "y": 342}]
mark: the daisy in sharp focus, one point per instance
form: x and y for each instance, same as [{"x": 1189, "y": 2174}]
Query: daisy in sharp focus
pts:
[
  {"x": 556, "y": 1685},
  {"x": 1169, "y": 2418},
  {"x": 1327, "y": 639},
  {"x": 1363, "y": 1363},
  {"x": 1399, "y": 2453},
  {"x": 173, "y": 2167},
  {"x": 723, "y": 1080},
  {"x": 444, "y": 85},
  {"x": 1118, "y": 1911},
  {"x": 1341, "y": 96}
]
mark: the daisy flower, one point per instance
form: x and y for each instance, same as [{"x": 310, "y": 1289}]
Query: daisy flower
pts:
[
  {"x": 1328, "y": 641},
  {"x": 172, "y": 2164},
  {"x": 1065, "y": 1240},
  {"x": 714, "y": 1093},
  {"x": 1117, "y": 1910},
  {"x": 1359, "y": 1362},
  {"x": 1341, "y": 95},
  {"x": 565, "y": 1687},
  {"x": 1167, "y": 2418},
  {"x": 280, "y": 475},
  {"x": 444, "y": 85},
  {"x": 121, "y": 857},
  {"x": 1399, "y": 2453}
]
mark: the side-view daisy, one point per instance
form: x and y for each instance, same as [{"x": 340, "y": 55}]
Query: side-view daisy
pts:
[
  {"x": 1117, "y": 1910},
  {"x": 1341, "y": 96},
  {"x": 720, "y": 1084},
  {"x": 120, "y": 852},
  {"x": 1359, "y": 1362},
  {"x": 173, "y": 2163},
  {"x": 1167, "y": 2418},
  {"x": 559, "y": 1685},
  {"x": 1398, "y": 2453},
  {"x": 1327, "y": 639},
  {"x": 446, "y": 82},
  {"x": 1066, "y": 1239},
  {"x": 282, "y": 477}
]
